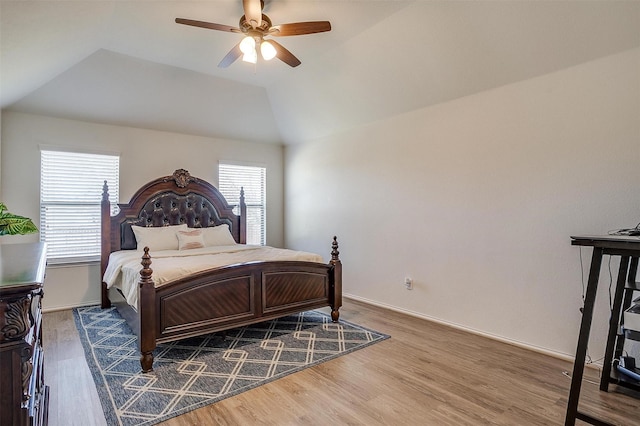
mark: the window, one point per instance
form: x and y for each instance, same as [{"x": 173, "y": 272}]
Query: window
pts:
[
  {"x": 70, "y": 196},
  {"x": 253, "y": 180}
]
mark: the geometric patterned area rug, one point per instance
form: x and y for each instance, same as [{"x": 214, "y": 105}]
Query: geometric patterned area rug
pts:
[{"x": 191, "y": 373}]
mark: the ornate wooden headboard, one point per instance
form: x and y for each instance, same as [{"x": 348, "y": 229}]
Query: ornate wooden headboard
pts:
[{"x": 170, "y": 200}]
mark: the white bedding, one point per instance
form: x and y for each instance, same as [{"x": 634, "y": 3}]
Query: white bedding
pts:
[{"x": 123, "y": 270}]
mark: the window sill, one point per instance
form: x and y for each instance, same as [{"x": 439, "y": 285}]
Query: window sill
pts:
[{"x": 71, "y": 263}]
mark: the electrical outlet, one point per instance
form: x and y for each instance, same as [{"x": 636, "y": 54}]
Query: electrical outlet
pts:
[{"x": 408, "y": 283}]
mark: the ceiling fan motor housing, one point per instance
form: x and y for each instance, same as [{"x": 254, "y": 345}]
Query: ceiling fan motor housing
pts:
[{"x": 246, "y": 27}]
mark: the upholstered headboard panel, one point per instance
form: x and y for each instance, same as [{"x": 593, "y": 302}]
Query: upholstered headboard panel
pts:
[{"x": 169, "y": 208}]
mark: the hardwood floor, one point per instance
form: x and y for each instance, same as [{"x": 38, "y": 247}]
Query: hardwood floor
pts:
[{"x": 425, "y": 374}]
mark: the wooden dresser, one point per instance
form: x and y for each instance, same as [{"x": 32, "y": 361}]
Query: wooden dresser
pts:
[{"x": 24, "y": 397}]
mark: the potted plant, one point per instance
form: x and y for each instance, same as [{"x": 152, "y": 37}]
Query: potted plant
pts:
[{"x": 12, "y": 224}]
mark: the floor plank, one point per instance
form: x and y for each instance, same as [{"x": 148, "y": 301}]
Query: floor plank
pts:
[{"x": 426, "y": 374}]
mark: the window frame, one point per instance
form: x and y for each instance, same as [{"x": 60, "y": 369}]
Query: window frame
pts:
[
  {"x": 73, "y": 175},
  {"x": 253, "y": 202}
]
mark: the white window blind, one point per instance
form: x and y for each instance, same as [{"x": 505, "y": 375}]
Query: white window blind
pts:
[
  {"x": 70, "y": 196},
  {"x": 253, "y": 179}
]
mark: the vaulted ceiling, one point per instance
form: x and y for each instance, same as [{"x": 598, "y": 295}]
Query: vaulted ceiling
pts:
[{"x": 129, "y": 63}]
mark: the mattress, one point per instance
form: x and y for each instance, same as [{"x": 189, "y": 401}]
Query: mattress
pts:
[{"x": 123, "y": 270}]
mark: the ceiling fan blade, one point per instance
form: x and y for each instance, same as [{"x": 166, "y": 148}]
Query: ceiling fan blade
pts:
[
  {"x": 231, "y": 57},
  {"x": 208, "y": 25},
  {"x": 253, "y": 12},
  {"x": 300, "y": 28},
  {"x": 284, "y": 55}
]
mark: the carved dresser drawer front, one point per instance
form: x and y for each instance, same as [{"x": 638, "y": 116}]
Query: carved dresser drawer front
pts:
[{"x": 24, "y": 397}]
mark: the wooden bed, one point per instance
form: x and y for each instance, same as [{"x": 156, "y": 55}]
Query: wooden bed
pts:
[{"x": 216, "y": 299}]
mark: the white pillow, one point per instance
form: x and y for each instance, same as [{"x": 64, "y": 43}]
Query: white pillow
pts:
[
  {"x": 218, "y": 236},
  {"x": 191, "y": 239},
  {"x": 158, "y": 238}
]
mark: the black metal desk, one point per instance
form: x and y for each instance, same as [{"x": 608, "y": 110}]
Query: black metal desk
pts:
[{"x": 628, "y": 248}]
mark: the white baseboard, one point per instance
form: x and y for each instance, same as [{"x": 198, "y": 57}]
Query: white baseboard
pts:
[
  {"x": 560, "y": 355},
  {"x": 66, "y": 307}
]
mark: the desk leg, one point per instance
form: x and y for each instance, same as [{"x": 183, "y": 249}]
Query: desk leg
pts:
[
  {"x": 583, "y": 337},
  {"x": 614, "y": 323},
  {"x": 626, "y": 303}
]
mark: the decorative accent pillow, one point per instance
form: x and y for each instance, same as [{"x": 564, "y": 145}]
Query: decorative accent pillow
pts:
[
  {"x": 157, "y": 238},
  {"x": 218, "y": 236},
  {"x": 191, "y": 239}
]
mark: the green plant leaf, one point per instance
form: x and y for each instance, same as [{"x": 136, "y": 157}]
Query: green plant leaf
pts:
[{"x": 12, "y": 224}]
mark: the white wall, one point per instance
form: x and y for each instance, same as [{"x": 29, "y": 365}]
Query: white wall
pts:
[
  {"x": 476, "y": 198},
  {"x": 145, "y": 155}
]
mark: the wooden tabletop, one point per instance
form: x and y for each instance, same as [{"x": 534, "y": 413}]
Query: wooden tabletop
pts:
[{"x": 612, "y": 244}]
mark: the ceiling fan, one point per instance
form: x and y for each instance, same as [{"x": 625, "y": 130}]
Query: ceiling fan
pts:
[{"x": 255, "y": 25}]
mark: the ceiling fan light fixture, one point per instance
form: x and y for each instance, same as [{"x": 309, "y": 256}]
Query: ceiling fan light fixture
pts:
[
  {"x": 251, "y": 57},
  {"x": 248, "y": 45},
  {"x": 267, "y": 50}
]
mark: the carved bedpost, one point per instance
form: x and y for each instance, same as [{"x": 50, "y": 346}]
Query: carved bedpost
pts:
[
  {"x": 243, "y": 218},
  {"x": 336, "y": 286},
  {"x": 147, "y": 311},
  {"x": 105, "y": 238}
]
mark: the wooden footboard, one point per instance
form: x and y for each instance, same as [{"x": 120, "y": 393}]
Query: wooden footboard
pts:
[{"x": 232, "y": 296}]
